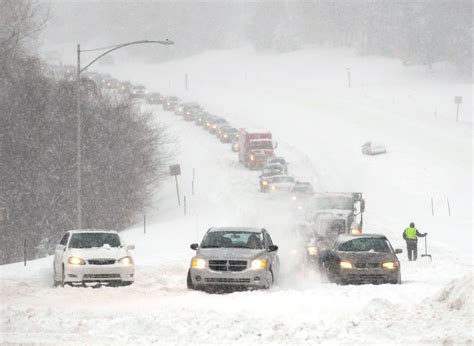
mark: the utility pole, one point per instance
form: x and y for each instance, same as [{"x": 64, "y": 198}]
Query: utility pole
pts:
[
  {"x": 79, "y": 144},
  {"x": 78, "y": 108}
]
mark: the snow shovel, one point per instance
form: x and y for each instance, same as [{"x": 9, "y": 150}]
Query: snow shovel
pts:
[{"x": 426, "y": 254}]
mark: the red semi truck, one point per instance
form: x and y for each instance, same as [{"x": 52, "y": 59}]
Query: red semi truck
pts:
[{"x": 255, "y": 147}]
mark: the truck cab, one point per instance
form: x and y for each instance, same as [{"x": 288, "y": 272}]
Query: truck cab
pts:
[{"x": 255, "y": 147}]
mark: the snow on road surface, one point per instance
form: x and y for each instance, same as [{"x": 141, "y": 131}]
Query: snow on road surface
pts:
[{"x": 320, "y": 126}]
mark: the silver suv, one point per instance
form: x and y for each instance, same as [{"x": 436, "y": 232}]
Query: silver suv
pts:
[{"x": 234, "y": 257}]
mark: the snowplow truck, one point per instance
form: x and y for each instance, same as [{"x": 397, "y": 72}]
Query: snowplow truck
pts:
[
  {"x": 255, "y": 147},
  {"x": 332, "y": 214}
]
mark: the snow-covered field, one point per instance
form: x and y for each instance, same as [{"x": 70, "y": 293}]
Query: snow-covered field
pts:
[{"x": 320, "y": 125}]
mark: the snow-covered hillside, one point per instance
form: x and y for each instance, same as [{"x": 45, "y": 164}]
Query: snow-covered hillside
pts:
[{"x": 320, "y": 125}]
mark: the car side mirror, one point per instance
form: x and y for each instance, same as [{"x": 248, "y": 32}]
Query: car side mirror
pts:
[
  {"x": 194, "y": 246},
  {"x": 398, "y": 251},
  {"x": 60, "y": 247},
  {"x": 130, "y": 247},
  {"x": 272, "y": 248}
]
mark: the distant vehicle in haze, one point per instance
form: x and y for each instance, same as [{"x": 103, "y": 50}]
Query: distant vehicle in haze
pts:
[
  {"x": 93, "y": 256},
  {"x": 228, "y": 134},
  {"x": 153, "y": 98},
  {"x": 373, "y": 148},
  {"x": 234, "y": 146},
  {"x": 280, "y": 160},
  {"x": 235, "y": 257},
  {"x": 214, "y": 122},
  {"x": 170, "y": 102},
  {"x": 268, "y": 171},
  {"x": 200, "y": 120},
  {"x": 139, "y": 92},
  {"x": 301, "y": 194},
  {"x": 365, "y": 258},
  {"x": 190, "y": 113},
  {"x": 278, "y": 183}
]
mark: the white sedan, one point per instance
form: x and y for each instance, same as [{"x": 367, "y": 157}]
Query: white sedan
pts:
[
  {"x": 93, "y": 256},
  {"x": 373, "y": 148}
]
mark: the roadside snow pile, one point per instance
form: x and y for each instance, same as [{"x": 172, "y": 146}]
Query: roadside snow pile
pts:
[
  {"x": 457, "y": 295},
  {"x": 445, "y": 318}
]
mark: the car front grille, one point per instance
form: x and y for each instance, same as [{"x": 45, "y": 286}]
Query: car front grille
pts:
[
  {"x": 227, "y": 265},
  {"x": 101, "y": 261},
  {"x": 367, "y": 265},
  {"x": 366, "y": 277},
  {"x": 101, "y": 276},
  {"x": 227, "y": 281}
]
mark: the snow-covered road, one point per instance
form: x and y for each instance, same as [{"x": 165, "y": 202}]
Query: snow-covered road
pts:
[{"x": 434, "y": 303}]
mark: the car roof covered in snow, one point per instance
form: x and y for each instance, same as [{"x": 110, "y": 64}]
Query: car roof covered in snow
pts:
[
  {"x": 347, "y": 237},
  {"x": 92, "y": 231},
  {"x": 261, "y": 140},
  {"x": 257, "y": 131},
  {"x": 235, "y": 229}
]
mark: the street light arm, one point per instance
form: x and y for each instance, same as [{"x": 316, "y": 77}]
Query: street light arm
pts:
[{"x": 167, "y": 42}]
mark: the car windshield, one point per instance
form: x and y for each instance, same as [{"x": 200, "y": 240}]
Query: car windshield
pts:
[
  {"x": 303, "y": 189},
  {"x": 334, "y": 202},
  {"x": 233, "y": 239},
  {"x": 261, "y": 145},
  {"x": 90, "y": 240},
  {"x": 366, "y": 245},
  {"x": 283, "y": 180},
  {"x": 271, "y": 171}
]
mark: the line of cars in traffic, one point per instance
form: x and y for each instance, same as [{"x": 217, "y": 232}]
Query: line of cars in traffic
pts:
[{"x": 327, "y": 238}]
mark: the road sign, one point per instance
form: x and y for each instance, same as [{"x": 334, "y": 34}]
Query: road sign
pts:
[{"x": 175, "y": 170}]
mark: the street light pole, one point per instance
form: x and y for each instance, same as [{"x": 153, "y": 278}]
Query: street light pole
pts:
[
  {"x": 78, "y": 107},
  {"x": 79, "y": 146}
]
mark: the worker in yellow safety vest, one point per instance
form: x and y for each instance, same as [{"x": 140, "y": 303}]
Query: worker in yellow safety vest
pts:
[{"x": 411, "y": 234}]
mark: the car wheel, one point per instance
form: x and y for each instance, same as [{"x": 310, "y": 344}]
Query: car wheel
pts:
[
  {"x": 189, "y": 281},
  {"x": 126, "y": 283},
  {"x": 269, "y": 279},
  {"x": 398, "y": 281},
  {"x": 55, "y": 282},
  {"x": 63, "y": 276}
]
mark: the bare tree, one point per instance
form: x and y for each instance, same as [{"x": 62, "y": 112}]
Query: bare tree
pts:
[{"x": 20, "y": 20}]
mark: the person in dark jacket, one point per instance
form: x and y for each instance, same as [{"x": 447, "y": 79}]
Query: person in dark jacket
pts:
[{"x": 411, "y": 234}]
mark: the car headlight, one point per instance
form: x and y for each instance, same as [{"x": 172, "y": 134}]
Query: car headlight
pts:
[
  {"x": 225, "y": 136},
  {"x": 293, "y": 198},
  {"x": 252, "y": 157},
  {"x": 346, "y": 265},
  {"x": 76, "y": 260},
  {"x": 390, "y": 265},
  {"x": 128, "y": 260},
  {"x": 313, "y": 250},
  {"x": 199, "y": 263},
  {"x": 273, "y": 187},
  {"x": 265, "y": 182},
  {"x": 214, "y": 126},
  {"x": 259, "y": 264},
  {"x": 356, "y": 231}
]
